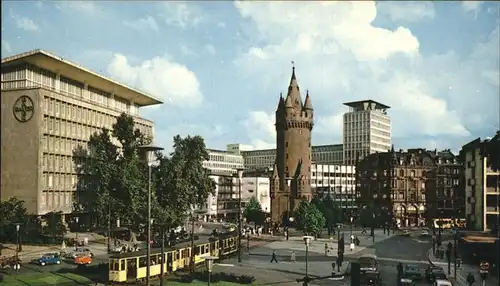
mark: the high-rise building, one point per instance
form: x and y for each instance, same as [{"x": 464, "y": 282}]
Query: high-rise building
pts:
[
  {"x": 481, "y": 185},
  {"x": 367, "y": 130},
  {"x": 50, "y": 107},
  {"x": 291, "y": 179}
]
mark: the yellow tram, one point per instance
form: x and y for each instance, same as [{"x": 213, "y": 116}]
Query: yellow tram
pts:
[{"x": 132, "y": 266}]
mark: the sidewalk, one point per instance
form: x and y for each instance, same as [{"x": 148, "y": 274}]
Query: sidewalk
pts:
[{"x": 462, "y": 271}]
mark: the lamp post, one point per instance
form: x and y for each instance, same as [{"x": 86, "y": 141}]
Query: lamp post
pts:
[
  {"x": 240, "y": 175},
  {"x": 209, "y": 263},
  {"x": 162, "y": 250},
  {"x": 307, "y": 240},
  {"x": 149, "y": 151},
  {"x": 76, "y": 233},
  {"x": 288, "y": 218},
  {"x": 351, "y": 220},
  {"x": 373, "y": 217},
  {"x": 17, "y": 266}
]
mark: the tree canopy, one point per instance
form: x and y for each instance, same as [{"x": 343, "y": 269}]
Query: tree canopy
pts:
[
  {"x": 309, "y": 218},
  {"x": 329, "y": 210},
  {"x": 113, "y": 178},
  {"x": 13, "y": 212},
  {"x": 253, "y": 212}
]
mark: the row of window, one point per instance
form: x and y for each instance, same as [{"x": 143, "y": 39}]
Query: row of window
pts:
[
  {"x": 58, "y": 163},
  {"x": 58, "y": 181},
  {"x": 53, "y": 144},
  {"x": 56, "y": 199},
  {"x": 226, "y": 158},
  {"x": 39, "y": 77}
]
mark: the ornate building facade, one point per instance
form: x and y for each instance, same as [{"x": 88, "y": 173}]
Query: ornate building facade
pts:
[
  {"x": 291, "y": 179},
  {"x": 396, "y": 184}
]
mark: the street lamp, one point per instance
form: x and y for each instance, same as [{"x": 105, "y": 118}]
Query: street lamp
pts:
[
  {"x": 240, "y": 175},
  {"x": 17, "y": 266},
  {"x": 351, "y": 219},
  {"x": 209, "y": 263},
  {"x": 288, "y": 218},
  {"x": 307, "y": 240},
  {"x": 76, "y": 233},
  {"x": 149, "y": 152},
  {"x": 373, "y": 218}
]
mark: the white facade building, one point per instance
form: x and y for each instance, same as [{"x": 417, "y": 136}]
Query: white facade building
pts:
[
  {"x": 367, "y": 130},
  {"x": 337, "y": 181},
  {"x": 223, "y": 161}
]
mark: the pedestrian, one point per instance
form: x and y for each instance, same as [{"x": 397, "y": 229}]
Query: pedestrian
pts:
[
  {"x": 292, "y": 256},
  {"x": 273, "y": 258},
  {"x": 326, "y": 249},
  {"x": 470, "y": 279},
  {"x": 352, "y": 246}
]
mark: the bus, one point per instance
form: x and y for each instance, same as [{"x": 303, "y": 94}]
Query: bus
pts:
[{"x": 449, "y": 223}]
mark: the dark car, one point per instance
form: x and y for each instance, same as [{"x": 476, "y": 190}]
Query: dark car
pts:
[
  {"x": 432, "y": 273},
  {"x": 411, "y": 272}
]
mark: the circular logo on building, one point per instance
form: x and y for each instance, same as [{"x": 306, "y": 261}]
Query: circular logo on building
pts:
[{"x": 23, "y": 109}]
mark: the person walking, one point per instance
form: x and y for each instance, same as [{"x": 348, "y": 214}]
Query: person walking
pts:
[
  {"x": 292, "y": 257},
  {"x": 273, "y": 257},
  {"x": 470, "y": 279}
]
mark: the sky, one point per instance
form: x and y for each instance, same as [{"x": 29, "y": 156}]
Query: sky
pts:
[{"x": 219, "y": 67}]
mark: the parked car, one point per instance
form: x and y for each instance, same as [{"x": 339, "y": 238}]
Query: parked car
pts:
[
  {"x": 404, "y": 233},
  {"x": 425, "y": 233},
  {"x": 80, "y": 251},
  {"x": 433, "y": 273},
  {"x": 49, "y": 258},
  {"x": 442, "y": 282},
  {"x": 82, "y": 259},
  {"x": 412, "y": 272}
]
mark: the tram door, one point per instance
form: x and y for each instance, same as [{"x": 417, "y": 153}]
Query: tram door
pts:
[
  {"x": 170, "y": 262},
  {"x": 131, "y": 267}
]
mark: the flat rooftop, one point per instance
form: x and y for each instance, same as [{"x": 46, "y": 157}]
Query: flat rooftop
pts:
[
  {"x": 56, "y": 64},
  {"x": 360, "y": 103}
]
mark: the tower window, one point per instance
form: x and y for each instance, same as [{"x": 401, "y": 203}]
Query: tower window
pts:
[
  {"x": 286, "y": 144},
  {"x": 287, "y": 155}
]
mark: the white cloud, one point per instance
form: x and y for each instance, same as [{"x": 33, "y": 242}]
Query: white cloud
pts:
[
  {"x": 471, "y": 6},
  {"x": 407, "y": 11},
  {"x": 142, "y": 24},
  {"x": 330, "y": 125},
  {"x": 182, "y": 14},
  {"x": 341, "y": 53},
  {"x": 80, "y": 6},
  {"x": 24, "y": 23},
  {"x": 261, "y": 130},
  {"x": 6, "y": 46},
  {"x": 210, "y": 49},
  {"x": 162, "y": 77}
]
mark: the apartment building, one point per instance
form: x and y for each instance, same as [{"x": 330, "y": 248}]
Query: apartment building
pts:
[
  {"x": 336, "y": 181},
  {"x": 367, "y": 130},
  {"x": 50, "y": 107},
  {"x": 321, "y": 154},
  {"x": 481, "y": 185}
]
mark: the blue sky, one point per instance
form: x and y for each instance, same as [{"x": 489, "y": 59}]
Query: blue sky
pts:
[{"x": 220, "y": 66}]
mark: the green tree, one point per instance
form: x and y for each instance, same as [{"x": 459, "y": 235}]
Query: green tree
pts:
[
  {"x": 111, "y": 184},
  {"x": 253, "y": 212},
  {"x": 309, "y": 218},
  {"x": 13, "y": 212},
  {"x": 329, "y": 209},
  {"x": 366, "y": 216},
  {"x": 181, "y": 181},
  {"x": 54, "y": 227}
]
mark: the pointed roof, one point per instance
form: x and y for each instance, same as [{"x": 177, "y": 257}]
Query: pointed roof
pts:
[
  {"x": 307, "y": 103},
  {"x": 293, "y": 94},
  {"x": 281, "y": 102}
]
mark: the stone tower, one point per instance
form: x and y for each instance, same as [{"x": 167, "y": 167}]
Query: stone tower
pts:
[{"x": 291, "y": 178}]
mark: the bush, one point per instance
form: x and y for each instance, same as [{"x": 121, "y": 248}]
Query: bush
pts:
[{"x": 218, "y": 277}]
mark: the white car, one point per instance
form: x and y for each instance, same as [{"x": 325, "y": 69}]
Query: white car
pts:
[
  {"x": 442, "y": 282},
  {"x": 424, "y": 233}
]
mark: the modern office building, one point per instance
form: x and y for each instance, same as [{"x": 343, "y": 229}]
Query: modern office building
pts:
[
  {"x": 221, "y": 161},
  {"x": 481, "y": 185},
  {"x": 367, "y": 130},
  {"x": 50, "y": 107},
  {"x": 336, "y": 181},
  {"x": 321, "y": 154}
]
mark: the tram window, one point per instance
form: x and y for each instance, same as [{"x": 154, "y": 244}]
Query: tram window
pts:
[
  {"x": 197, "y": 250},
  {"x": 177, "y": 255},
  {"x": 116, "y": 265},
  {"x": 169, "y": 256},
  {"x": 185, "y": 253},
  {"x": 154, "y": 259},
  {"x": 122, "y": 264},
  {"x": 143, "y": 262},
  {"x": 207, "y": 249}
]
